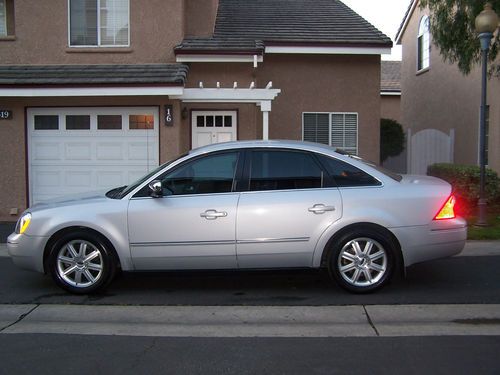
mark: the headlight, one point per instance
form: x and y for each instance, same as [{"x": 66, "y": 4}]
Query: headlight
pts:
[{"x": 23, "y": 223}]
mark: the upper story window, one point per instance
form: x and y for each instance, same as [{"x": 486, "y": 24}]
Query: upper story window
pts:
[
  {"x": 423, "y": 44},
  {"x": 101, "y": 23},
  {"x": 3, "y": 18}
]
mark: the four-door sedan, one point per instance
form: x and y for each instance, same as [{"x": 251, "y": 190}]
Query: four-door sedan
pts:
[{"x": 246, "y": 205}]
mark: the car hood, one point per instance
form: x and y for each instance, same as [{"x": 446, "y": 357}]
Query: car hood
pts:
[{"x": 72, "y": 199}]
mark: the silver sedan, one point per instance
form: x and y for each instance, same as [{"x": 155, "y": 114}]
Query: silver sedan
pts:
[{"x": 246, "y": 205}]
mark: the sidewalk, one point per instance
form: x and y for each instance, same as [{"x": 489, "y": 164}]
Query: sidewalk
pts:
[{"x": 472, "y": 248}]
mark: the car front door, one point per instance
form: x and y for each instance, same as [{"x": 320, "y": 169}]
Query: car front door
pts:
[
  {"x": 192, "y": 226},
  {"x": 287, "y": 207}
]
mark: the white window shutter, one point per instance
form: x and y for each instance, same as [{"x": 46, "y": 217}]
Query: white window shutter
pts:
[{"x": 345, "y": 132}]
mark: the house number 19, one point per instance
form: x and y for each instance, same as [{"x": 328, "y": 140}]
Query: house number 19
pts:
[{"x": 5, "y": 114}]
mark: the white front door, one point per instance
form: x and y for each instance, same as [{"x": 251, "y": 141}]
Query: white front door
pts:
[{"x": 212, "y": 127}]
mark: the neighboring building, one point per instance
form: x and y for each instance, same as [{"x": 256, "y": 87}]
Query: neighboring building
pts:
[
  {"x": 440, "y": 107},
  {"x": 390, "y": 107},
  {"x": 390, "y": 90},
  {"x": 99, "y": 92}
]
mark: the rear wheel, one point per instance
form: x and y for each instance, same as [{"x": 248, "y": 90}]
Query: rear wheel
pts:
[
  {"x": 362, "y": 261},
  {"x": 81, "y": 263}
]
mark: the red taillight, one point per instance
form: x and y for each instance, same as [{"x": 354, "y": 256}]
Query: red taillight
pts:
[{"x": 448, "y": 209}]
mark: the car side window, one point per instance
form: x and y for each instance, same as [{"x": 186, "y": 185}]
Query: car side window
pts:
[
  {"x": 283, "y": 170},
  {"x": 347, "y": 175},
  {"x": 204, "y": 175}
]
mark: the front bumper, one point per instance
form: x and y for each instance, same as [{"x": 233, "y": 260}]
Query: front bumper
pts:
[
  {"x": 27, "y": 251},
  {"x": 440, "y": 239}
]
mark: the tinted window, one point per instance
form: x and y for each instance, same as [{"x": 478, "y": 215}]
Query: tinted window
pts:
[
  {"x": 46, "y": 122},
  {"x": 345, "y": 174},
  {"x": 280, "y": 170},
  {"x": 209, "y": 174}
]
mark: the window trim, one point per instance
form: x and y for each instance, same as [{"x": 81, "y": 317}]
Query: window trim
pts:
[
  {"x": 98, "y": 45},
  {"x": 330, "y": 116},
  {"x": 421, "y": 33}
]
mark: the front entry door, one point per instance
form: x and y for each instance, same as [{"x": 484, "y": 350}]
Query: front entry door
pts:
[{"x": 212, "y": 127}]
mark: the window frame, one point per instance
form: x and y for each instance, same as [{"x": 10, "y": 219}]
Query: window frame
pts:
[
  {"x": 98, "y": 45},
  {"x": 423, "y": 32},
  {"x": 330, "y": 117}
]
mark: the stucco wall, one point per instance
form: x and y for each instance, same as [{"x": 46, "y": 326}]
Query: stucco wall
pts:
[
  {"x": 41, "y": 35},
  {"x": 390, "y": 107},
  {"x": 442, "y": 98},
  {"x": 333, "y": 83},
  {"x": 13, "y": 153},
  {"x": 200, "y": 17}
]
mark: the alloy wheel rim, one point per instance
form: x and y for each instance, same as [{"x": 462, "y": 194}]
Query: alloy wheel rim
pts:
[
  {"x": 362, "y": 262},
  {"x": 80, "y": 263}
]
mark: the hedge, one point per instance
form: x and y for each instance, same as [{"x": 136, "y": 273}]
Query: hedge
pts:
[{"x": 465, "y": 181}]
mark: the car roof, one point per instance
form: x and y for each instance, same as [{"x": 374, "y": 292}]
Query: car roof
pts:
[{"x": 300, "y": 145}]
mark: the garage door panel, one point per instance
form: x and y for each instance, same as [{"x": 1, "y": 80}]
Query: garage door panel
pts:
[
  {"x": 110, "y": 150},
  {"x": 46, "y": 150},
  {"x": 78, "y": 151},
  {"x": 65, "y": 162},
  {"x": 82, "y": 179},
  {"x": 47, "y": 179}
]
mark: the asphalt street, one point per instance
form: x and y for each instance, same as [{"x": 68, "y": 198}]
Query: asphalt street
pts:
[
  {"x": 442, "y": 318},
  {"x": 453, "y": 280}
]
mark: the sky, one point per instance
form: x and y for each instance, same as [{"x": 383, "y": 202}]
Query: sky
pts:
[{"x": 385, "y": 15}]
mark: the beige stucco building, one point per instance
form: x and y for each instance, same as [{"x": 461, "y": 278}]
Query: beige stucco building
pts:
[
  {"x": 95, "y": 96},
  {"x": 440, "y": 106}
]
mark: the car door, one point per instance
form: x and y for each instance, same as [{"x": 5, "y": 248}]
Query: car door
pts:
[
  {"x": 193, "y": 225},
  {"x": 287, "y": 207}
]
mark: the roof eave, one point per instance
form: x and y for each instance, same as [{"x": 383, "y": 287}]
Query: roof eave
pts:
[{"x": 406, "y": 19}]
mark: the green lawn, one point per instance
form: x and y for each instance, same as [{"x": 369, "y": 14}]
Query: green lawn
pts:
[{"x": 491, "y": 232}]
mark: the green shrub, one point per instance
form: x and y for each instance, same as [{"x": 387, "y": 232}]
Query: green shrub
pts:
[
  {"x": 465, "y": 181},
  {"x": 392, "y": 138}
]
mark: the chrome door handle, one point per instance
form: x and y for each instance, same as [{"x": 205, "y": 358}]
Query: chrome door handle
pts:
[
  {"x": 213, "y": 214},
  {"x": 320, "y": 208}
]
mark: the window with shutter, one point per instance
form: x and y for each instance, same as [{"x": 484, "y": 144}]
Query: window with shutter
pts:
[
  {"x": 337, "y": 129},
  {"x": 316, "y": 128},
  {"x": 102, "y": 23},
  {"x": 3, "y": 19}
]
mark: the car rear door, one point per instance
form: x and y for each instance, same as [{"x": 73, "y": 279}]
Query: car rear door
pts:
[{"x": 287, "y": 206}]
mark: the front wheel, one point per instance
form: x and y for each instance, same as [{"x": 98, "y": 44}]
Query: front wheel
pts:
[
  {"x": 81, "y": 263},
  {"x": 362, "y": 261}
]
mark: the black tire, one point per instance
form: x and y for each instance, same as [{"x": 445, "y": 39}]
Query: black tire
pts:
[
  {"x": 362, "y": 271},
  {"x": 81, "y": 262}
]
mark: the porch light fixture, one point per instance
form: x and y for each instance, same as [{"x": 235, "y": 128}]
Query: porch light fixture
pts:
[{"x": 486, "y": 24}]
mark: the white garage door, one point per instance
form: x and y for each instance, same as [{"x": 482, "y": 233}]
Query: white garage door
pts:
[{"x": 75, "y": 150}]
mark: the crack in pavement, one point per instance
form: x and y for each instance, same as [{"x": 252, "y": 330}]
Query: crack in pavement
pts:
[
  {"x": 21, "y": 317},
  {"x": 370, "y": 321}
]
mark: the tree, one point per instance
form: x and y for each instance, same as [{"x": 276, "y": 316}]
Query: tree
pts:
[
  {"x": 392, "y": 138},
  {"x": 453, "y": 31}
]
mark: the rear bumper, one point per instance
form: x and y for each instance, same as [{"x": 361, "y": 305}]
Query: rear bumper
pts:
[
  {"x": 27, "y": 251},
  {"x": 433, "y": 241}
]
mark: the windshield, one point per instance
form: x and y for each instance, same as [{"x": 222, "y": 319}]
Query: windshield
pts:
[{"x": 127, "y": 189}]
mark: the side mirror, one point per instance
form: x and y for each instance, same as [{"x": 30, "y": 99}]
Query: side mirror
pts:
[{"x": 156, "y": 189}]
